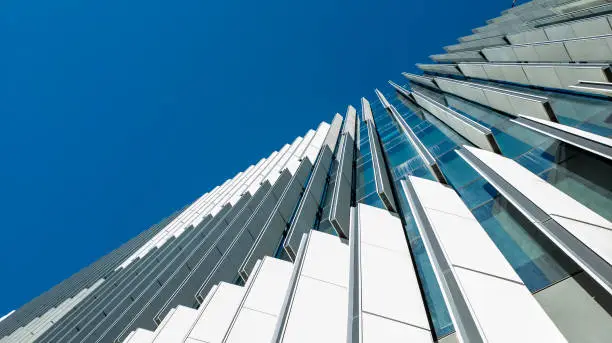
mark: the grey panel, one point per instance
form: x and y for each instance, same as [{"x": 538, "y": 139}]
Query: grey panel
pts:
[
  {"x": 551, "y": 75},
  {"x": 578, "y": 309},
  {"x": 477, "y": 44},
  {"x": 475, "y": 70},
  {"x": 302, "y": 223},
  {"x": 341, "y": 203},
  {"x": 350, "y": 122},
  {"x": 333, "y": 132},
  {"x": 381, "y": 176},
  {"x": 592, "y": 263},
  {"x": 501, "y": 99},
  {"x": 463, "y": 56},
  {"x": 500, "y": 54},
  {"x": 469, "y": 129},
  {"x": 551, "y": 52},
  {"x": 595, "y": 49},
  {"x": 440, "y": 68},
  {"x": 316, "y": 184},
  {"x": 424, "y": 80},
  {"x": 266, "y": 243},
  {"x": 531, "y": 36}
]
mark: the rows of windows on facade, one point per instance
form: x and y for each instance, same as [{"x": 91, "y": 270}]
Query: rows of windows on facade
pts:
[{"x": 468, "y": 202}]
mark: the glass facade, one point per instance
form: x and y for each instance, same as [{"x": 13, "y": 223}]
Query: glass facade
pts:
[{"x": 541, "y": 196}]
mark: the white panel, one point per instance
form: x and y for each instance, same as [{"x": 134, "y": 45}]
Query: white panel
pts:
[
  {"x": 506, "y": 311},
  {"x": 140, "y": 336},
  {"x": 377, "y": 329},
  {"x": 252, "y": 327},
  {"x": 326, "y": 259},
  {"x": 177, "y": 326},
  {"x": 256, "y": 318},
  {"x": 216, "y": 317},
  {"x": 484, "y": 256},
  {"x": 379, "y": 228},
  {"x": 319, "y": 304},
  {"x": 267, "y": 291},
  {"x": 389, "y": 286},
  {"x": 318, "y": 313}
]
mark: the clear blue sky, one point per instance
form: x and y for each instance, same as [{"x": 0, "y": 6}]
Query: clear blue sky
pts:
[{"x": 117, "y": 112}]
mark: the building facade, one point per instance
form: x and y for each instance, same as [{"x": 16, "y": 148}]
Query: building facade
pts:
[{"x": 471, "y": 203}]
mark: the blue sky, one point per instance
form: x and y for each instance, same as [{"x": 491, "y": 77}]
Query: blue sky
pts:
[{"x": 117, "y": 112}]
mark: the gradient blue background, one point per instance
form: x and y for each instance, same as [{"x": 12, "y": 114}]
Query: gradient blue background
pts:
[{"x": 117, "y": 112}]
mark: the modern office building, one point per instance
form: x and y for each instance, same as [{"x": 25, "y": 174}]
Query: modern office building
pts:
[{"x": 471, "y": 203}]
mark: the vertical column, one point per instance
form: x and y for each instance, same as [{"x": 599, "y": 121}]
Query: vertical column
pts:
[
  {"x": 381, "y": 177},
  {"x": 341, "y": 194},
  {"x": 306, "y": 212}
]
